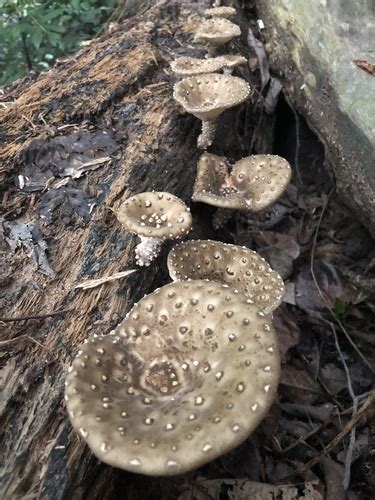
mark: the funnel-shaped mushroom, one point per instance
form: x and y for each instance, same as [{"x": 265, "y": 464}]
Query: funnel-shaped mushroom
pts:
[
  {"x": 187, "y": 376},
  {"x": 154, "y": 217},
  {"x": 223, "y": 12},
  {"x": 251, "y": 185},
  {"x": 190, "y": 66},
  {"x": 215, "y": 32},
  {"x": 238, "y": 267},
  {"x": 207, "y": 96}
]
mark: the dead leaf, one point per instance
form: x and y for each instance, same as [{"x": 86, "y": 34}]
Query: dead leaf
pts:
[
  {"x": 298, "y": 386},
  {"x": 365, "y": 65},
  {"x": 261, "y": 54},
  {"x": 272, "y": 96},
  {"x": 64, "y": 156},
  {"x": 29, "y": 236},
  {"x": 286, "y": 329}
]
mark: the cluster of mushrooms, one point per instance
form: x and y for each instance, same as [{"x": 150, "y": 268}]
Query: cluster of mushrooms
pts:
[{"x": 194, "y": 366}]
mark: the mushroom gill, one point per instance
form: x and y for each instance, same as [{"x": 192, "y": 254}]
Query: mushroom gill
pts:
[
  {"x": 187, "y": 376},
  {"x": 236, "y": 266},
  {"x": 207, "y": 96},
  {"x": 154, "y": 217},
  {"x": 251, "y": 185}
]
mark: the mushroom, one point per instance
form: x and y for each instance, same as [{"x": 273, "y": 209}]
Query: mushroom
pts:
[
  {"x": 215, "y": 32},
  {"x": 231, "y": 61},
  {"x": 154, "y": 217},
  {"x": 251, "y": 185},
  {"x": 187, "y": 376},
  {"x": 207, "y": 96},
  {"x": 189, "y": 66},
  {"x": 236, "y": 266},
  {"x": 223, "y": 12}
]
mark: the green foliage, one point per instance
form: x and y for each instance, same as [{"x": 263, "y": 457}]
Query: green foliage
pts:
[
  {"x": 33, "y": 33},
  {"x": 340, "y": 307}
]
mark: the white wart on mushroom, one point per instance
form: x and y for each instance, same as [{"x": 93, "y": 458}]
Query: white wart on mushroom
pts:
[
  {"x": 154, "y": 217},
  {"x": 236, "y": 266},
  {"x": 187, "y": 376}
]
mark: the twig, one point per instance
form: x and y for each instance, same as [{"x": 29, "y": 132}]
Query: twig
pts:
[
  {"x": 337, "y": 440},
  {"x": 37, "y": 316},
  {"x": 327, "y": 305},
  {"x": 298, "y": 142},
  {"x": 349, "y": 453}
]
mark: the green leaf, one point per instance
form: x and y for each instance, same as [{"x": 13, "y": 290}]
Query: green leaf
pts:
[
  {"x": 36, "y": 38},
  {"x": 339, "y": 307}
]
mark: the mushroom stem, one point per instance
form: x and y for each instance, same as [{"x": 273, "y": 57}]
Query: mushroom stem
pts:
[
  {"x": 147, "y": 250},
  {"x": 208, "y": 134},
  {"x": 227, "y": 70}
]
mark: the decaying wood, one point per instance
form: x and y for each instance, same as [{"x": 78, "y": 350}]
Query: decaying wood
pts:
[{"x": 120, "y": 83}]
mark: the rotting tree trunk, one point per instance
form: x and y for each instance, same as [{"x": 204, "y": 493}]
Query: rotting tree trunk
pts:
[{"x": 119, "y": 84}]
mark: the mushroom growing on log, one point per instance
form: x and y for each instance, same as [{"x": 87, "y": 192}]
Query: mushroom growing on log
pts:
[
  {"x": 236, "y": 266},
  {"x": 190, "y": 66},
  {"x": 187, "y": 376},
  {"x": 223, "y": 12},
  {"x": 207, "y": 96},
  {"x": 154, "y": 217},
  {"x": 215, "y": 32},
  {"x": 251, "y": 185}
]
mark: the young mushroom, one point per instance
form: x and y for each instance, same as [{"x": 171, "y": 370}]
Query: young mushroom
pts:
[
  {"x": 238, "y": 267},
  {"x": 223, "y": 12},
  {"x": 154, "y": 217},
  {"x": 207, "y": 96},
  {"x": 215, "y": 32},
  {"x": 251, "y": 185},
  {"x": 187, "y": 376}
]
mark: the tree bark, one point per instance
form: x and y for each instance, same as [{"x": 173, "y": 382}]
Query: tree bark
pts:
[{"x": 121, "y": 84}]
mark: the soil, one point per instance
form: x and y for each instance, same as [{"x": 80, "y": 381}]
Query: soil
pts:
[{"x": 61, "y": 181}]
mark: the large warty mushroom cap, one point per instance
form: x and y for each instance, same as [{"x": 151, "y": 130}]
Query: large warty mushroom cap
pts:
[{"x": 187, "y": 376}]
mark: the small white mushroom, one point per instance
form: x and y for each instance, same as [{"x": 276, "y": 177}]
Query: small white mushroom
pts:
[
  {"x": 207, "y": 96},
  {"x": 251, "y": 185},
  {"x": 215, "y": 32},
  {"x": 154, "y": 217},
  {"x": 236, "y": 266},
  {"x": 223, "y": 12},
  {"x": 186, "y": 377}
]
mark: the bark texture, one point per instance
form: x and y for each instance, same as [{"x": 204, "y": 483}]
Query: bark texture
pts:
[{"x": 120, "y": 84}]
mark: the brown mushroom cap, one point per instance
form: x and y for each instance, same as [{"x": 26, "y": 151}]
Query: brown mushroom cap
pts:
[
  {"x": 223, "y": 12},
  {"x": 217, "y": 31},
  {"x": 252, "y": 185},
  {"x": 188, "y": 66},
  {"x": 238, "y": 267},
  {"x": 207, "y": 96},
  {"x": 155, "y": 215},
  {"x": 187, "y": 376}
]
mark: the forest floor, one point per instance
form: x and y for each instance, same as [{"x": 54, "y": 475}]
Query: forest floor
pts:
[{"x": 318, "y": 438}]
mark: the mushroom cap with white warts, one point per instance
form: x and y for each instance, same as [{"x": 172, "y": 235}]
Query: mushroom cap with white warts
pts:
[
  {"x": 207, "y": 96},
  {"x": 223, "y": 12},
  {"x": 253, "y": 183},
  {"x": 187, "y": 376},
  {"x": 217, "y": 31},
  {"x": 236, "y": 266},
  {"x": 155, "y": 215},
  {"x": 189, "y": 66}
]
